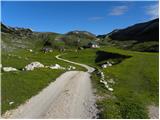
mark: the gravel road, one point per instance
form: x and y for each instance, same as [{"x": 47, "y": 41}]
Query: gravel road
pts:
[{"x": 70, "y": 96}]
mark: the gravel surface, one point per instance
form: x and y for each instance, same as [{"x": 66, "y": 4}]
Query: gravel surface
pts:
[{"x": 153, "y": 112}]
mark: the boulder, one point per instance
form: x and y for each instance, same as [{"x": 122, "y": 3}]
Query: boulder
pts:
[
  {"x": 9, "y": 69},
  {"x": 33, "y": 65}
]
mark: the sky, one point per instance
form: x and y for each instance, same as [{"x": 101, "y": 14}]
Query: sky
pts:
[{"x": 97, "y": 17}]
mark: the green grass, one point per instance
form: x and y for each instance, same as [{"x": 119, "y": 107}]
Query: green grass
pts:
[
  {"x": 19, "y": 86},
  {"x": 136, "y": 82}
]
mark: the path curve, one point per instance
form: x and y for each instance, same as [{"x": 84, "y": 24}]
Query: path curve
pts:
[
  {"x": 90, "y": 69},
  {"x": 69, "y": 96}
]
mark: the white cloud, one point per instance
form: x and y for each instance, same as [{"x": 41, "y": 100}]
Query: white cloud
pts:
[
  {"x": 95, "y": 18},
  {"x": 118, "y": 10},
  {"x": 153, "y": 11}
]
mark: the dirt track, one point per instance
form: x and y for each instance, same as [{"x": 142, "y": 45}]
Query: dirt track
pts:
[{"x": 70, "y": 96}]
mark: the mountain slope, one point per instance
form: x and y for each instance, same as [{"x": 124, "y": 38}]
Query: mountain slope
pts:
[
  {"x": 139, "y": 37},
  {"x": 23, "y": 38},
  {"x": 147, "y": 31}
]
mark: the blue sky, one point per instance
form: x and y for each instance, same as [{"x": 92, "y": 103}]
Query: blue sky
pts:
[{"x": 96, "y": 17}]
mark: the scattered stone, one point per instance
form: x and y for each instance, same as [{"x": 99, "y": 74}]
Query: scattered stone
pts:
[
  {"x": 106, "y": 65},
  {"x": 30, "y": 50},
  {"x": 110, "y": 89},
  {"x": 10, "y": 103},
  {"x": 9, "y": 69},
  {"x": 71, "y": 68},
  {"x": 33, "y": 65},
  {"x": 56, "y": 66},
  {"x": 46, "y": 66},
  {"x": 107, "y": 86},
  {"x": 105, "y": 82}
]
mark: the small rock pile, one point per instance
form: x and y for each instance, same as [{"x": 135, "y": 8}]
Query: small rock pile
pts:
[
  {"x": 102, "y": 80},
  {"x": 36, "y": 64},
  {"x": 108, "y": 64}
]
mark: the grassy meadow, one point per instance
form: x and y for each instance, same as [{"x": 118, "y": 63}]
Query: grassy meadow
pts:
[
  {"x": 21, "y": 85},
  {"x": 136, "y": 82}
]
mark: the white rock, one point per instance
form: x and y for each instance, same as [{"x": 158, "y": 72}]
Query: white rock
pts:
[
  {"x": 71, "y": 68},
  {"x": 56, "y": 66},
  {"x": 106, "y": 65},
  {"x": 102, "y": 73},
  {"x": 101, "y": 81},
  {"x": 10, "y": 103},
  {"x": 68, "y": 68},
  {"x": 30, "y": 50},
  {"x": 109, "y": 64},
  {"x": 8, "y": 69},
  {"x": 106, "y": 86},
  {"x": 105, "y": 82},
  {"x": 110, "y": 89},
  {"x": 46, "y": 66},
  {"x": 33, "y": 65}
]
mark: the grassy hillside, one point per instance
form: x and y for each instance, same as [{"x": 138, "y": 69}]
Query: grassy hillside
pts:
[
  {"x": 142, "y": 37},
  {"x": 135, "y": 73},
  {"x": 19, "y": 86},
  {"x": 136, "y": 82}
]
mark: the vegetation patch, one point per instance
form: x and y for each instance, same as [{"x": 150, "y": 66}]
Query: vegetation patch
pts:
[
  {"x": 17, "y": 87},
  {"x": 136, "y": 80}
]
